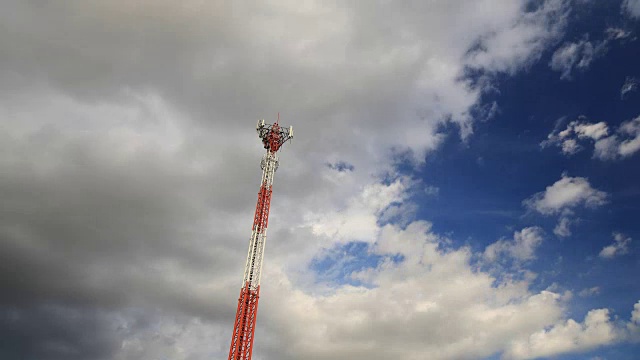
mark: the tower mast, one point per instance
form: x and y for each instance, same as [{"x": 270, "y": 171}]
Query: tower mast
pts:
[{"x": 273, "y": 137}]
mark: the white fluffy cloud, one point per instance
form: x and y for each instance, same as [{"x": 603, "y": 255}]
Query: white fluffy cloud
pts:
[
  {"x": 357, "y": 221},
  {"x": 478, "y": 315},
  {"x": 607, "y": 144},
  {"x": 620, "y": 246},
  {"x": 624, "y": 143},
  {"x": 635, "y": 314},
  {"x": 591, "y": 131},
  {"x": 565, "y": 195},
  {"x": 576, "y": 130},
  {"x": 632, "y": 129},
  {"x": 518, "y": 43},
  {"x": 521, "y": 248},
  {"x": 597, "y": 329}
]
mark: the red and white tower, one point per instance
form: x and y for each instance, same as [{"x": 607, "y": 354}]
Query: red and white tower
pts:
[{"x": 273, "y": 137}]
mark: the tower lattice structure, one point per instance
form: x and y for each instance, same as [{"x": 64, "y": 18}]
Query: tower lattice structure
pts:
[{"x": 273, "y": 137}]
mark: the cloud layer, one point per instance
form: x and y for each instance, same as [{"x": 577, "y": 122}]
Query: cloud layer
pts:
[{"x": 129, "y": 171}]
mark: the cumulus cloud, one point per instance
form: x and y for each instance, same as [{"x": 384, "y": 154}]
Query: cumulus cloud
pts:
[
  {"x": 619, "y": 247},
  {"x": 434, "y": 281},
  {"x": 635, "y": 314},
  {"x": 607, "y": 144},
  {"x": 624, "y": 143},
  {"x": 358, "y": 220},
  {"x": 521, "y": 248},
  {"x": 577, "y": 130},
  {"x": 632, "y": 130},
  {"x": 565, "y": 195},
  {"x": 597, "y": 329},
  {"x": 591, "y": 131}
]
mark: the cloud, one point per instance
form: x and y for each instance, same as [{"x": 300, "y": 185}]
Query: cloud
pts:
[
  {"x": 42, "y": 331},
  {"x": 635, "y": 314},
  {"x": 614, "y": 33},
  {"x": 592, "y": 131},
  {"x": 632, "y": 7},
  {"x": 435, "y": 282},
  {"x": 630, "y": 85},
  {"x": 632, "y": 129},
  {"x": 624, "y": 143},
  {"x": 521, "y": 248},
  {"x": 576, "y": 56},
  {"x": 486, "y": 112},
  {"x": 597, "y": 329},
  {"x": 576, "y": 130},
  {"x": 510, "y": 46},
  {"x": 153, "y": 335},
  {"x": 619, "y": 247},
  {"x": 633, "y": 327},
  {"x": 589, "y": 291},
  {"x": 607, "y": 144},
  {"x": 60, "y": 332},
  {"x": 566, "y": 194},
  {"x": 563, "y": 229},
  {"x": 570, "y": 147},
  {"x": 358, "y": 220}
]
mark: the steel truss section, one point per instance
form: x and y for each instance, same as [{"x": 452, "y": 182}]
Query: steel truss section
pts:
[{"x": 245, "y": 324}]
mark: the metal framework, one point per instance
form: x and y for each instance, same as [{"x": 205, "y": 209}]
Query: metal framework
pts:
[{"x": 273, "y": 137}]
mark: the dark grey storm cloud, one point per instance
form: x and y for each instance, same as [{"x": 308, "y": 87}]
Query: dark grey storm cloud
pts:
[{"x": 54, "y": 332}]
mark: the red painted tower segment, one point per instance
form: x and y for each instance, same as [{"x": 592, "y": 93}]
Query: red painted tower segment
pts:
[{"x": 273, "y": 137}]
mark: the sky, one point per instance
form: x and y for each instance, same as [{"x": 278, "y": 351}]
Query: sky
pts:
[{"x": 464, "y": 180}]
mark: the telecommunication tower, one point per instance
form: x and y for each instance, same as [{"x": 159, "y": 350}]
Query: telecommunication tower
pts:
[{"x": 273, "y": 137}]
